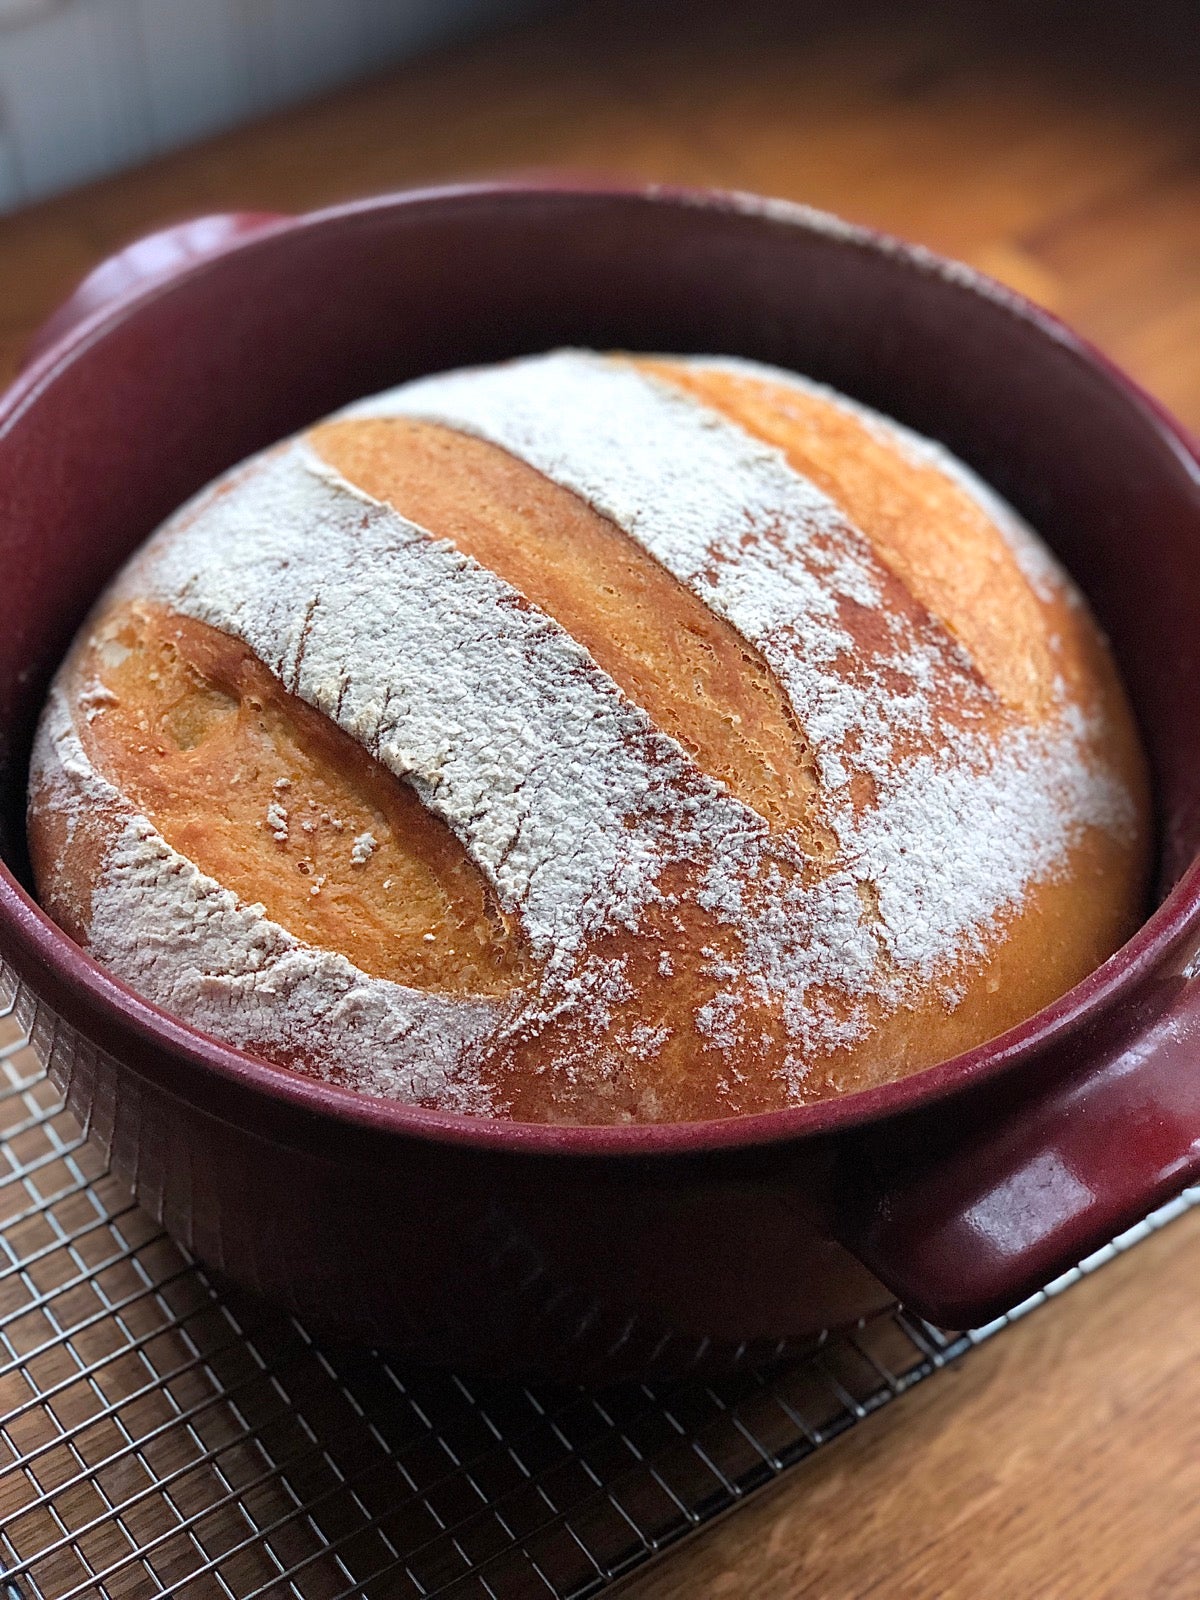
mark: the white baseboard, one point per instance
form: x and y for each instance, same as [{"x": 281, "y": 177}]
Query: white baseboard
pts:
[{"x": 90, "y": 86}]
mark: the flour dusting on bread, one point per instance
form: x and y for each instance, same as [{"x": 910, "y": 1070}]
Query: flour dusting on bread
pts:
[
  {"x": 941, "y": 807},
  {"x": 187, "y": 943}
]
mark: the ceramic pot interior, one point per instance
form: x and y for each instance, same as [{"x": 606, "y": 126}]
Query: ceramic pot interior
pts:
[{"x": 256, "y": 344}]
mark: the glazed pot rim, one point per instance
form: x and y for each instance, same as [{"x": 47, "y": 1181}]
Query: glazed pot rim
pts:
[{"x": 39, "y": 943}]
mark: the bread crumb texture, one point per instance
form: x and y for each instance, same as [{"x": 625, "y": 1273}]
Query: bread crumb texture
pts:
[{"x": 592, "y": 739}]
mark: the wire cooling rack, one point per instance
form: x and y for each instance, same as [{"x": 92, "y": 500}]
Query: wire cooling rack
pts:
[{"x": 161, "y": 1436}]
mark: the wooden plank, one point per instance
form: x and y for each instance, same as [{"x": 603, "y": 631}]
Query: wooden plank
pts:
[{"x": 1062, "y": 1460}]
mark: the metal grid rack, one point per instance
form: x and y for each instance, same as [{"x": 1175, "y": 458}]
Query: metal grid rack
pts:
[{"x": 160, "y": 1436}]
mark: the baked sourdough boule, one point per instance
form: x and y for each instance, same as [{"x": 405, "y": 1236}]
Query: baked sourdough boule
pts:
[{"x": 590, "y": 738}]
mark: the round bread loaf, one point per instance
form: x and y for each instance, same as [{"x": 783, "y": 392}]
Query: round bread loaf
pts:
[{"x": 590, "y": 738}]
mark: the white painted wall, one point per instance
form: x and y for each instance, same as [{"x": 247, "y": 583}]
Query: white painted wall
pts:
[{"x": 88, "y": 86}]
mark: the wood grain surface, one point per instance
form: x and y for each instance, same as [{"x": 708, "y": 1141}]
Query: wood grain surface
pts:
[{"x": 1062, "y": 155}]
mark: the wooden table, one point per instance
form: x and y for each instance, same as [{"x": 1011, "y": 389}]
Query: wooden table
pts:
[{"x": 1063, "y": 1459}]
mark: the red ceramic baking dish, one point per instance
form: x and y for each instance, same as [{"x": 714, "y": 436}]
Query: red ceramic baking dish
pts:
[{"x": 588, "y": 1251}]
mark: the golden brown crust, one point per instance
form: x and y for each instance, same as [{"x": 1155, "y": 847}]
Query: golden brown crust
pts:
[
  {"x": 202, "y": 737},
  {"x": 929, "y": 531},
  {"x": 269, "y": 798},
  {"x": 698, "y": 679},
  {"x": 1064, "y": 929},
  {"x": 950, "y": 556}
]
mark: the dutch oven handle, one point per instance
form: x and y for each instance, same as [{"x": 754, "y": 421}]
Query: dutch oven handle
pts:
[
  {"x": 151, "y": 259},
  {"x": 964, "y": 1236}
]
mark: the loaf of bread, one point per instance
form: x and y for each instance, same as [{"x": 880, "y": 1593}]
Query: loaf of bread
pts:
[{"x": 593, "y": 738}]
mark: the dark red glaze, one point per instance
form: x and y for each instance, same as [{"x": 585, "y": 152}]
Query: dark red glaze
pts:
[
  {"x": 147, "y": 260},
  {"x": 597, "y": 1250}
]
